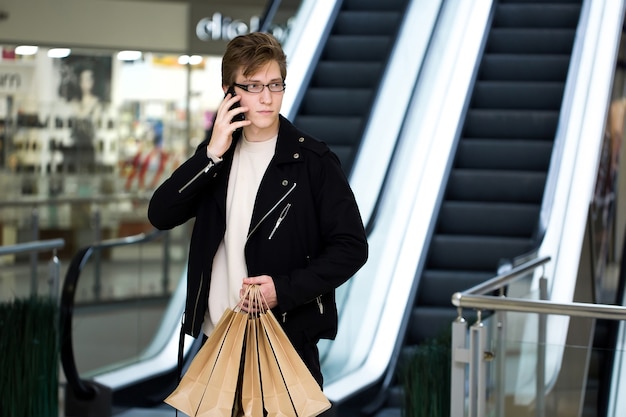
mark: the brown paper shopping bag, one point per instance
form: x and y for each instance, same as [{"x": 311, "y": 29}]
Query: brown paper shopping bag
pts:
[
  {"x": 219, "y": 395},
  {"x": 188, "y": 394},
  {"x": 251, "y": 393},
  {"x": 276, "y": 399},
  {"x": 306, "y": 395}
]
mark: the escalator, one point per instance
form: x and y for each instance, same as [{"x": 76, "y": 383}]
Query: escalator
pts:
[
  {"x": 337, "y": 102},
  {"x": 490, "y": 209}
]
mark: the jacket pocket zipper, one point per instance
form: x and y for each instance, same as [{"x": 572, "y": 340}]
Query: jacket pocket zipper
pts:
[
  {"x": 203, "y": 171},
  {"x": 320, "y": 306},
  {"x": 271, "y": 210},
  {"x": 283, "y": 214}
]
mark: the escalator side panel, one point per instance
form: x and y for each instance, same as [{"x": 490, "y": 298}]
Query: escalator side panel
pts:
[{"x": 491, "y": 205}]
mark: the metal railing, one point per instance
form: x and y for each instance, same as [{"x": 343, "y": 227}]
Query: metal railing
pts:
[
  {"x": 82, "y": 389},
  {"x": 35, "y": 247},
  {"x": 95, "y": 201},
  {"x": 470, "y": 348}
]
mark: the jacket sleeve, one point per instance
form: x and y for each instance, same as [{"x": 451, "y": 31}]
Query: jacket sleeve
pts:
[{"x": 176, "y": 199}]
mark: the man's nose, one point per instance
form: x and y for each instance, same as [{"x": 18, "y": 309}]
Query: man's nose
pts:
[{"x": 266, "y": 95}]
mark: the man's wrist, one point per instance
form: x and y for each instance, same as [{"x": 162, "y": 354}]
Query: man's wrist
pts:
[{"x": 213, "y": 157}]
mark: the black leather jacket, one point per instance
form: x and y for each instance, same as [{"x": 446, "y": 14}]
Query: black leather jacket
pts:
[{"x": 306, "y": 230}]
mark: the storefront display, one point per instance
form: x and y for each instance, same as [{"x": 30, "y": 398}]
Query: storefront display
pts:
[{"x": 75, "y": 130}]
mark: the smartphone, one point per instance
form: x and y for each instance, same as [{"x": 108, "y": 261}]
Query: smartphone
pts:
[{"x": 240, "y": 116}]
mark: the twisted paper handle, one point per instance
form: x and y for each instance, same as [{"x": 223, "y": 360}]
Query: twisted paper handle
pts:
[{"x": 257, "y": 304}]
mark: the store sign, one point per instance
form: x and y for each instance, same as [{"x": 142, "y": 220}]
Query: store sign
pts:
[
  {"x": 211, "y": 29},
  {"x": 14, "y": 79},
  {"x": 224, "y": 28}
]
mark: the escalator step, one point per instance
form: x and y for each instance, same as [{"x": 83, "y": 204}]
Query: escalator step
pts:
[
  {"x": 496, "y": 186},
  {"x": 504, "y": 95},
  {"x": 474, "y": 253},
  {"x": 518, "y": 124},
  {"x": 504, "y": 154},
  {"x": 437, "y": 286},
  {"x": 333, "y": 130},
  {"x": 347, "y": 74},
  {"x": 530, "y": 41},
  {"x": 505, "y": 67},
  {"x": 430, "y": 322},
  {"x": 487, "y": 219},
  {"x": 336, "y": 101},
  {"x": 537, "y": 14},
  {"x": 367, "y": 23},
  {"x": 357, "y": 48},
  {"x": 373, "y": 5}
]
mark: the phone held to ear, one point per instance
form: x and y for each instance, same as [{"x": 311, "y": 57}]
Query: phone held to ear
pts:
[{"x": 240, "y": 117}]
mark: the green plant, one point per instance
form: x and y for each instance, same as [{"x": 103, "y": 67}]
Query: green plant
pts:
[
  {"x": 29, "y": 358},
  {"x": 425, "y": 377}
]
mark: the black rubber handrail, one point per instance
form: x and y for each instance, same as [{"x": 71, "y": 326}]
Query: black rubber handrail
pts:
[
  {"x": 81, "y": 388},
  {"x": 270, "y": 12}
]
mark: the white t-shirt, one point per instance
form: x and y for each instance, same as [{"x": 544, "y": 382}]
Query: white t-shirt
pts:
[{"x": 250, "y": 162}]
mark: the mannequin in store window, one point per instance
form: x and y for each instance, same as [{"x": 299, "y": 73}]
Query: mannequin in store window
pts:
[
  {"x": 88, "y": 104},
  {"x": 87, "y": 110}
]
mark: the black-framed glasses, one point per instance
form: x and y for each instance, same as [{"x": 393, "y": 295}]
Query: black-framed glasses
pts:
[{"x": 276, "y": 87}]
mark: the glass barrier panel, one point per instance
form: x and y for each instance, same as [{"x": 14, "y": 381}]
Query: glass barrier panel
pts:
[
  {"x": 527, "y": 375},
  {"x": 18, "y": 280},
  {"x": 121, "y": 297}
]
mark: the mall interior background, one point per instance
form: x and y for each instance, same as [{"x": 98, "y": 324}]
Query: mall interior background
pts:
[
  {"x": 151, "y": 112},
  {"x": 99, "y": 153}
]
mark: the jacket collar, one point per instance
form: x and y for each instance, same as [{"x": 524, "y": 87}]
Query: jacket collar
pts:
[{"x": 288, "y": 148}]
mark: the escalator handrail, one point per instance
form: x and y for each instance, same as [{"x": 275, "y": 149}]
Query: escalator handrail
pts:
[
  {"x": 269, "y": 14},
  {"x": 303, "y": 48},
  {"x": 547, "y": 203},
  {"x": 412, "y": 192},
  {"x": 81, "y": 389}
]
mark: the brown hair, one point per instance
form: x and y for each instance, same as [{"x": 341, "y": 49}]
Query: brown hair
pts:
[{"x": 251, "y": 52}]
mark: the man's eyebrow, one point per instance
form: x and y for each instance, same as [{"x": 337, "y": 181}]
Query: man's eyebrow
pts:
[{"x": 273, "y": 80}]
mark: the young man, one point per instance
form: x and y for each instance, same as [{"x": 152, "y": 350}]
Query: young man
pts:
[{"x": 272, "y": 207}]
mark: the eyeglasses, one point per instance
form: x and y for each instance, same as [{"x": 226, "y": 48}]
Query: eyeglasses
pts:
[{"x": 258, "y": 88}]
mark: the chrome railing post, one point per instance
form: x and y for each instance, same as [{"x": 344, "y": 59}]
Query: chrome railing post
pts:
[
  {"x": 458, "y": 367},
  {"x": 541, "y": 351},
  {"x": 477, "y": 368},
  {"x": 500, "y": 353},
  {"x": 54, "y": 274},
  {"x": 97, "y": 224},
  {"x": 34, "y": 281},
  {"x": 500, "y": 357}
]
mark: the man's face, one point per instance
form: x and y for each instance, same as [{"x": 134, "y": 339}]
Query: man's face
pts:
[{"x": 264, "y": 107}]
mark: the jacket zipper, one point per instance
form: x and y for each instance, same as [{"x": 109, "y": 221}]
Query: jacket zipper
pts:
[
  {"x": 271, "y": 211},
  {"x": 203, "y": 171},
  {"x": 283, "y": 214},
  {"x": 319, "y": 304},
  {"x": 195, "y": 307}
]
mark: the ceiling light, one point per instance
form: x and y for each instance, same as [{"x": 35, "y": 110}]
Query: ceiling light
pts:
[
  {"x": 191, "y": 60},
  {"x": 195, "y": 59},
  {"x": 26, "y": 50},
  {"x": 128, "y": 55},
  {"x": 59, "y": 52}
]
